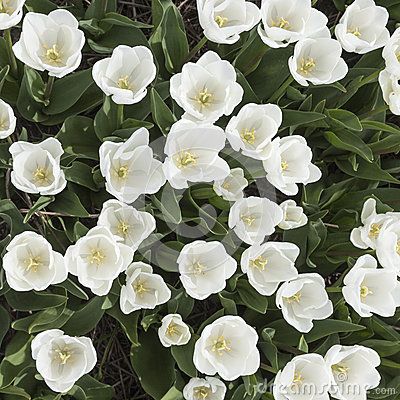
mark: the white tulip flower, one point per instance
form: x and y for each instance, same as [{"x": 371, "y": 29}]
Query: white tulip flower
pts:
[
  {"x": 143, "y": 289},
  {"x": 293, "y": 215},
  {"x": 390, "y": 85},
  {"x": 61, "y": 359},
  {"x": 224, "y": 20},
  {"x": 388, "y": 245},
  {"x": 209, "y": 387},
  {"x": 353, "y": 371},
  {"x": 50, "y": 42},
  {"x": 391, "y": 53},
  {"x": 173, "y": 331},
  {"x": 253, "y": 129},
  {"x": 126, "y": 74},
  {"x": 207, "y": 89},
  {"x": 227, "y": 347},
  {"x": 254, "y": 218},
  {"x": 269, "y": 264},
  {"x": 231, "y": 188},
  {"x": 371, "y": 290},
  {"x": 362, "y": 27},
  {"x": 373, "y": 224},
  {"x": 287, "y": 21},
  {"x": 30, "y": 263},
  {"x": 36, "y": 167},
  {"x": 304, "y": 299},
  {"x": 11, "y": 12},
  {"x": 317, "y": 61},
  {"x": 97, "y": 259},
  {"x": 8, "y": 121},
  {"x": 305, "y": 376},
  {"x": 192, "y": 154},
  {"x": 289, "y": 163},
  {"x": 131, "y": 225},
  {"x": 129, "y": 168},
  {"x": 204, "y": 268}
]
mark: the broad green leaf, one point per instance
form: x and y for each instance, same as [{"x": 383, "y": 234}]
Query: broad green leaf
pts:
[
  {"x": 344, "y": 119},
  {"x": 296, "y": 118},
  {"x": 162, "y": 115},
  {"x": 40, "y": 203},
  {"x": 251, "y": 298},
  {"x": 33, "y": 301},
  {"x": 67, "y": 203},
  {"x": 183, "y": 356}
]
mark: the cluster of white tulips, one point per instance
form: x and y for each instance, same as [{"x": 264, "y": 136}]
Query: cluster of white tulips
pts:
[{"x": 206, "y": 91}]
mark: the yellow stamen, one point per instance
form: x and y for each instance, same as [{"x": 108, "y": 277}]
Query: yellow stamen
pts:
[
  {"x": 307, "y": 65},
  {"x": 398, "y": 56},
  {"x": 248, "y": 219},
  {"x": 33, "y": 263},
  {"x": 297, "y": 379},
  {"x": 96, "y": 257},
  {"x": 3, "y": 125},
  {"x": 173, "y": 329},
  {"x": 355, "y": 31},
  {"x": 281, "y": 23},
  {"x": 186, "y": 159},
  {"x": 226, "y": 185},
  {"x": 398, "y": 247},
  {"x": 122, "y": 172},
  {"x": 340, "y": 368},
  {"x": 124, "y": 83},
  {"x": 364, "y": 292},
  {"x": 248, "y": 136},
  {"x": 123, "y": 228},
  {"x": 204, "y": 98},
  {"x": 295, "y": 298},
  {"x": 284, "y": 165},
  {"x": 260, "y": 262},
  {"x": 198, "y": 269},
  {"x": 41, "y": 175},
  {"x": 140, "y": 288},
  {"x": 53, "y": 55},
  {"x": 5, "y": 9},
  {"x": 374, "y": 231},
  {"x": 221, "y": 21},
  {"x": 220, "y": 345},
  {"x": 201, "y": 393},
  {"x": 64, "y": 355}
]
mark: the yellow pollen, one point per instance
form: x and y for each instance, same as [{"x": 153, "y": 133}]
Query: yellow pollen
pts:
[
  {"x": 186, "y": 159},
  {"x": 173, "y": 329},
  {"x": 364, "y": 291},
  {"x": 4, "y": 9},
  {"x": 248, "y": 219},
  {"x": 374, "y": 231},
  {"x": 64, "y": 355},
  {"x": 124, "y": 83},
  {"x": 220, "y": 345},
  {"x": 260, "y": 262},
  {"x": 297, "y": 379},
  {"x": 123, "y": 228},
  {"x": 3, "y": 125},
  {"x": 226, "y": 185},
  {"x": 198, "y": 269},
  {"x": 33, "y": 263},
  {"x": 204, "y": 98},
  {"x": 398, "y": 247},
  {"x": 140, "y": 288},
  {"x": 201, "y": 393},
  {"x": 284, "y": 165},
  {"x": 221, "y": 21},
  {"x": 96, "y": 257},
  {"x": 248, "y": 136},
  {"x": 53, "y": 55},
  {"x": 398, "y": 56},
  {"x": 281, "y": 23},
  {"x": 41, "y": 175},
  {"x": 340, "y": 368},
  {"x": 307, "y": 65},
  {"x": 295, "y": 298},
  {"x": 355, "y": 31},
  {"x": 122, "y": 172}
]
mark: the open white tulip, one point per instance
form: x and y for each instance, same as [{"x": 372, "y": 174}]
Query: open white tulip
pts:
[
  {"x": 391, "y": 54},
  {"x": 371, "y": 290},
  {"x": 362, "y": 27},
  {"x": 209, "y": 387},
  {"x": 192, "y": 154},
  {"x": 97, "y": 259},
  {"x": 36, "y": 167},
  {"x": 50, "y": 42},
  {"x": 293, "y": 215},
  {"x": 30, "y": 263},
  {"x": 204, "y": 268},
  {"x": 287, "y": 21},
  {"x": 11, "y": 12},
  {"x": 269, "y": 264},
  {"x": 390, "y": 85},
  {"x": 126, "y": 74},
  {"x": 253, "y": 129},
  {"x": 7, "y": 119},
  {"x": 207, "y": 89},
  {"x": 61, "y": 359},
  {"x": 388, "y": 245},
  {"x": 224, "y": 20},
  {"x": 173, "y": 331},
  {"x": 289, "y": 163},
  {"x": 131, "y": 225},
  {"x": 227, "y": 347},
  {"x": 373, "y": 224},
  {"x": 304, "y": 299},
  {"x": 231, "y": 188},
  {"x": 305, "y": 376},
  {"x": 353, "y": 371},
  {"x": 317, "y": 61},
  {"x": 129, "y": 168},
  {"x": 254, "y": 218},
  {"x": 143, "y": 289}
]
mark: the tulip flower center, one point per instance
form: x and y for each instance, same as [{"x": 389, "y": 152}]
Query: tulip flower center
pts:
[
  {"x": 295, "y": 298},
  {"x": 41, "y": 175},
  {"x": 201, "y": 392},
  {"x": 198, "y": 268},
  {"x": 204, "y": 98},
  {"x": 248, "y": 136},
  {"x": 123, "y": 228},
  {"x": 398, "y": 56},
  {"x": 96, "y": 257},
  {"x": 307, "y": 65},
  {"x": 33, "y": 263},
  {"x": 122, "y": 172},
  {"x": 221, "y": 21},
  {"x": 364, "y": 291},
  {"x": 124, "y": 83},
  {"x": 340, "y": 368},
  {"x": 281, "y": 23},
  {"x": 398, "y": 247},
  {"x": 374, "y": 231},
  {"x": 173, "y": 329},
  {"x": 284, "y": 165},
  {"x": 248, "y": 219},
  {"x": 355, "y": 31},
  {"x": 63, "y": 355},
  {"x": 53, "y": 55},
  {"x": 260, "y": 262},
  {"x": 140, "y": 288},
  {"x": 4, "y": 9},
  {"x": 297, "y": 379},
  {"x": 221, "y": 345},
  {"x": 186, "y": 159},
  {"x": 226, "y": 185},
  {"x": 3, "y": 125}
]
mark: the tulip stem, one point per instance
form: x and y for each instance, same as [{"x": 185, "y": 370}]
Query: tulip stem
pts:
[
  {"x": 279, "y": 93},
  {"x": 11, "y": 56},
  {"x": 120, "y": 115},
  {"x": 49, "y": 88},
  {"x": 196, "y": 48},
  {"x": 334, "y": 289}
]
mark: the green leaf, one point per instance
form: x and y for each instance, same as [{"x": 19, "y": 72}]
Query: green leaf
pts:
[
  {"x": 70, "y": 286},
  {"x": 4, "y": 323},
  {"x": 183, "y": 356},
  {"x": 251, "y": 298},
  {"x": 380, "y": 126},
  {"x": 162, "y": 115},
  {"x": 67, "y": 203},
  {"x": 121, "y": 20},
  {"x": 344, "y": 119},
  {"x": 303, "y": 346},
  {"x": 40, "y": 203},
  {"x": 89, "y": 388},
  {"x": 296, "y": 118},
  {"x": 168, "y": 205},
  {"x": 3, "y": 75},
  {"x": 81, "y": 174},
  {"x": 128, "y": 322},
  {"x": 32, "y": 301}
]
